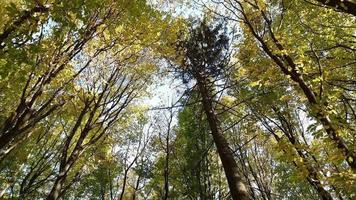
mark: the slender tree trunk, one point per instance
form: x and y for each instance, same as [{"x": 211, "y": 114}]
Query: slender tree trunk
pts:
[
  {"x": 124, "y": 185},
  {"x": 111, "y": 187},
  {"x": 237, "y": 187},
  {"x": 57, "y": 187},
  {"x": 166, "y": 169},
  {"x": 136, "y": 187},
  {"x": 65, "y": 166},
  {"x": 3, "y": 190}
]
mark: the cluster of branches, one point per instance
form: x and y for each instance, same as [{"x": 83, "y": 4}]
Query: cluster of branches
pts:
[{"x": 270, "y": 116}]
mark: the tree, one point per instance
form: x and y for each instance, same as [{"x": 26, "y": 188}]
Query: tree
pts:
[
  {"x": 195, "y": 161},
  {"x": 264, "y": 27},
  {"x": 88, "y": 71},
  {"x": 204, "y": 57},
  {"x": 266, "y": 107},
  {"x": 46, "y": 71}
]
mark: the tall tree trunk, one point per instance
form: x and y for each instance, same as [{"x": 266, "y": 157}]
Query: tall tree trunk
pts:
[
  {"x": 237, "y": 187},
  {"x": 111, "y": 187},
  {"x": 124, "y": 184},
  {"x": 57, "y": 187},
  {"x": 137, "y": 185},
  {"x": 166, "y": 169},
  {"x": 65, "y": 167}
]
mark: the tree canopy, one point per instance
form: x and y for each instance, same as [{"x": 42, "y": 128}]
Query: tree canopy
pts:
[{"x": 118, "y": 99}]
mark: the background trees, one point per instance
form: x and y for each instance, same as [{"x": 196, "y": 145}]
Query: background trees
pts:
[{"x": 267, "y": 100}]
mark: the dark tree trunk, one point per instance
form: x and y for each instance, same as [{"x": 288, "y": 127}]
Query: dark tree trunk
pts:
[
  {"x": 166, "y": 169},
  {"x": 124, "y": 184},
  {"x": 57, "y": 187},
  {"x": 237, "y": 187},
  {"x": 136, "y": 187}
]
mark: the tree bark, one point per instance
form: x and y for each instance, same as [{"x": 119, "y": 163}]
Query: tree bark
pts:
[
  {"x": 123, "y": 185},
  {"x": 166, "y": 166},
  {"x": 137, "y": 185},
  {"x": 237, "y": 187}
]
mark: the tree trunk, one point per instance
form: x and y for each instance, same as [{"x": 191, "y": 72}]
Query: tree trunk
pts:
[
  {"x": 57, "y": 187},
  {"x": 124, "y": 184},
  {"x": 136, "y": 187},
  {"x": 65, "y": 166},
  {"x": 237, "y": 187},
  {"x": 166, "y": 169}
]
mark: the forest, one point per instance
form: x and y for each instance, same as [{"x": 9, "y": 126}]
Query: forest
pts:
[{"x": 178, "y": 99}]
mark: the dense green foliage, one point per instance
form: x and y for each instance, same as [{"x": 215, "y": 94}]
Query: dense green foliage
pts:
[{"x": 76, "y": 77}]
